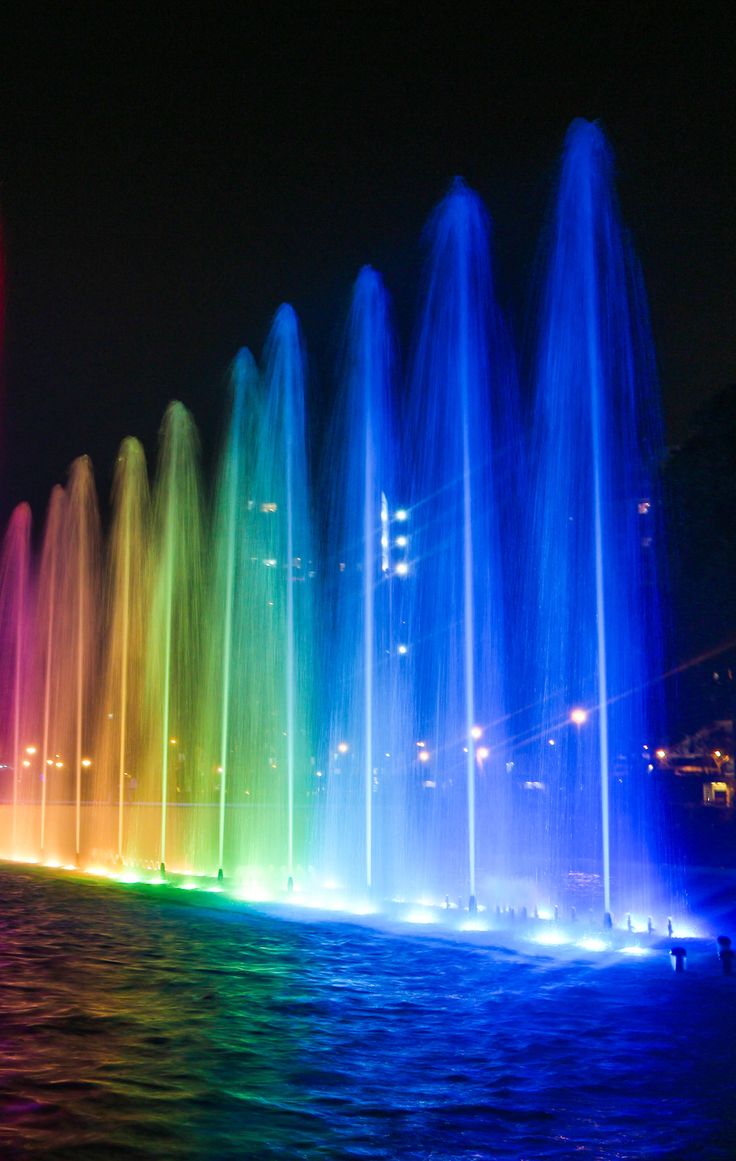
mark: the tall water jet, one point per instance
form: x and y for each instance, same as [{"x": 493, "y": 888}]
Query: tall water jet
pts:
[
  {"x": 455, "y": 604},
  {"x": 121, "y": 724},
  {"x": 282, "y": 481},
  {"x": 596, "y": 438},
  {"x": 360, "y": 654},
  {"x": 46, "y": 639},
  {"x": 80, "y": 595},
  {"x": 15, "y": 620},
  {"x": 233, "y": 634},
  {"x": 174, "y": 637}
]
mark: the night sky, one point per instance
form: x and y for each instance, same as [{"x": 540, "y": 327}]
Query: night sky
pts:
[{"x": 169, "y": 178}]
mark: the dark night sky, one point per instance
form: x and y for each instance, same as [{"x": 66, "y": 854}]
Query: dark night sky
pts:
[{"x": 169, "y": 179}]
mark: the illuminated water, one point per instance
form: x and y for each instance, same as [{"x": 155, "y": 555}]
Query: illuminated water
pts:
[
  {"x": 134, "y": 1026},
  {"x": 353, "y": 661}
]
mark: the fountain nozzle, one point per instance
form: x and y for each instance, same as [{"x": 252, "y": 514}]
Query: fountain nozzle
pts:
[{"x": 679, "y": 955}]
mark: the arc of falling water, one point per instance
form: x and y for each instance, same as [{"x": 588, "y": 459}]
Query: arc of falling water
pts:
[
  {"x": 368, "y": 606},
  {"x": 167, "y": 679},
  {"x": 591, "y": 305},
  {"x": 80, "y": 681},
  {"x": 17, "y": 684},
  {"x": 290, "y": 676},
  {"x": 468, "y": 604},
  {"x": 47, "y": 691},
  {"x": 227, "y": 644},
  {"x": 124, "y": 681}
]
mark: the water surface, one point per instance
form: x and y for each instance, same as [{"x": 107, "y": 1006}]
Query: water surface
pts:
[{"x": 136, "y": 1023}]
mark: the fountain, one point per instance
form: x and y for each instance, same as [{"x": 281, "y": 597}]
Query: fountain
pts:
[{"x": 428, "y": 678}]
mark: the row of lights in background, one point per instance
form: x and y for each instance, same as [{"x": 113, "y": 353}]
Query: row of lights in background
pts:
[{"x": 56, "y": 761}]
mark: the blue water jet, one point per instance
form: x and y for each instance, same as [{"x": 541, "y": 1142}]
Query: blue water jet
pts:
[{"x": 591, "y": 591}]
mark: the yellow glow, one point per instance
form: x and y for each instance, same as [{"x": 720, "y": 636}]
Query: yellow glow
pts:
[
  {"x": 86, "y": 762},
  {"x": 58, "y": 765},
  {"x": 30, "y": 749},
  {"x": 579, "y": 716},
  {"x": 483, "y": 753},
  {"x": 172, "y": 741},
  {"x": 342, "y": 748},
  {"x": 661, "y": 753},
  {"x": 26, "y": 762},
  {"x": 424, "y": 755},
  {"x": 476, "y": 732}
]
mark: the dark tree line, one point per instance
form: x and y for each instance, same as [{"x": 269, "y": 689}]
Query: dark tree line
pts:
[{"x": 700, "y": 574}]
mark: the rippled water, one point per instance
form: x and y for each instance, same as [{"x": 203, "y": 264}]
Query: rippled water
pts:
[{"x": 133, "y": 1025}]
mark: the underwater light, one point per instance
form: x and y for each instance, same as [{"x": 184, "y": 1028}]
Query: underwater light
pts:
[
  {"x": 253, "y": 894},
  {"x": 473, "y": 925},
  {"x": 592, "y": 944},
  {"x": 422, "y": 918},
  {"x": 551, "y": 939},
  {"x": 635, "y": 950}
]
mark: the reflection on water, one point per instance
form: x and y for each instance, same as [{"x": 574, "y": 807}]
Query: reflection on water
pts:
[{"x": 132, "y": 1025}]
